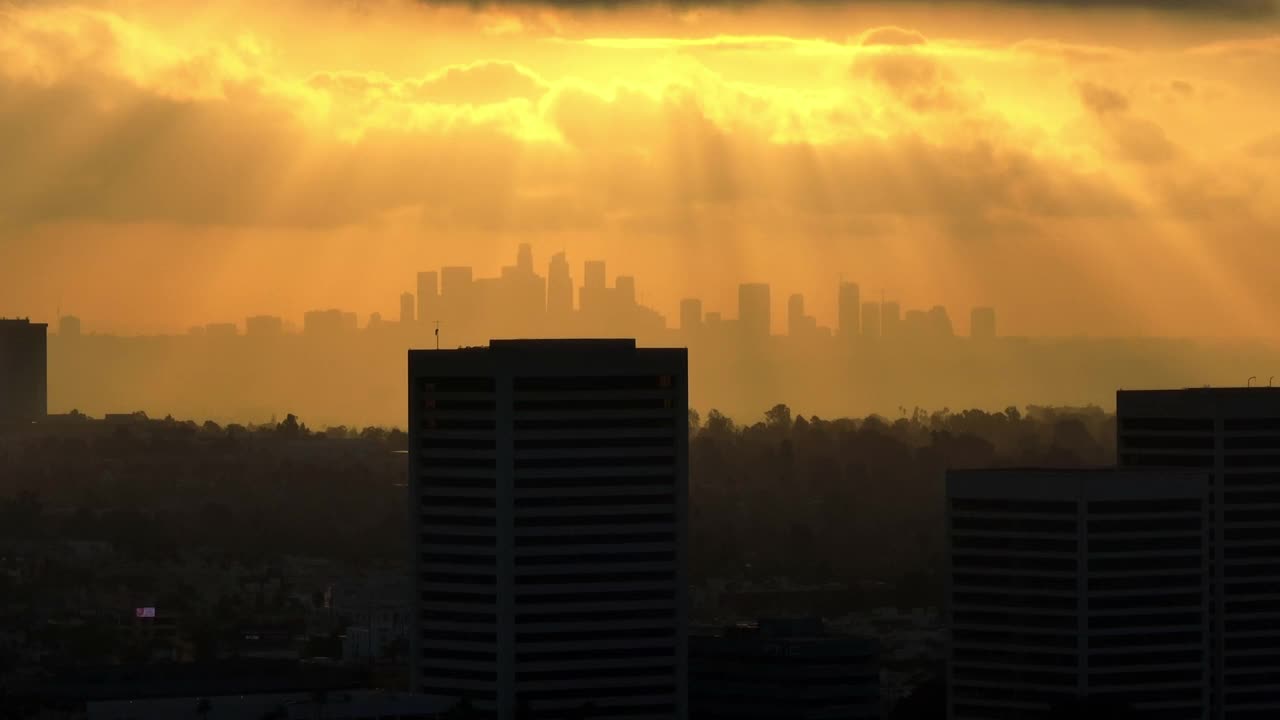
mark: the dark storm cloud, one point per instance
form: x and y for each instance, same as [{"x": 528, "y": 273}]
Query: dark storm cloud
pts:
[{"x": 1242, "y": 9}]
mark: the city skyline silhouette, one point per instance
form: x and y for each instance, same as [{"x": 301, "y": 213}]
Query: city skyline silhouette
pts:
[
  {"x": 639, "y": 359},
  {"x": 1085, "y": 169}
]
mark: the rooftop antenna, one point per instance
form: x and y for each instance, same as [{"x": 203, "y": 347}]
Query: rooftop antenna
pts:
[
  {"x": 1251, "y": 379},
  {"x": 437, "y": 334},
  {"x": 1273, "y": 377}
]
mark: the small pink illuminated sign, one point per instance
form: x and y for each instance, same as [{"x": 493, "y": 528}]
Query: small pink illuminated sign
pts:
[{"x": 147, "y": 612}]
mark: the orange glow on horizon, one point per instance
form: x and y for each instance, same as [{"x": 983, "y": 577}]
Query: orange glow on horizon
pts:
[{"x": 1103, "y": 172}]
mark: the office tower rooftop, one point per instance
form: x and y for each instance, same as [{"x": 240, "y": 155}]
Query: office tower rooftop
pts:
[
  {"x": 754, "y": 310},
  {"x": 408, "y": 309},
  {"x": 524, "y": 258},
  {"x": 593, "y": 274},
  {"x": 263, "y": 326},
  {"x": 428, "y": 297},
  {"x": 890, "y": 319},
  {"x": 849, "y": 310},
  {"x": 982, "y": 323},
  {"x": 69, "y": 326},
  {"x": 1233, "y": 436},
  {"x": 549, "y": 485},
  {"x": 690, "y": 314},
  {"x": 871, "y": 319},
  {"x": 559, "y": 286},
  {"x": 1067, "y": 585},
  {"x": 24, "y": 348}
]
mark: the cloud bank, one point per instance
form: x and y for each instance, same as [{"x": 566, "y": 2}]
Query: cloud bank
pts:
[{"x": 926, "y": 160}]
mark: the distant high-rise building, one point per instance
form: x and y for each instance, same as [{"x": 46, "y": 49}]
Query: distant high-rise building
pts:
[
  {"x": 690, "y": 314},
  {"x": 221, "y": 330},
  {"x": 327, "y": 322},
  {"x": 1232, "y": 435},
  {"x": 595, "y": 300},
  {"x": 795, "y": 314},
  {"x": 625, "y": 288},
  {"x": 982, "y": 323},
  {"x": 754, "y": 316},
  {"x": 524, "y": 259},
  {"x": 890, "y": 319},
  {"x": 68, "y": 326},
  {"x": 559, "y": 287},
  {"x": 406, "y": 308},
  {"x": 871, "y": 319},
  {"x": 428, "y": 297},
  {"x": 375, "y": 321},
  {"x": 915, "y": 324},
  {"x": 850, "y": 310},
  {"x": 1071, "y": 585},
  {"x": 549, "y": 491},
  {"x": 783, "y": 669},
  {"x": 455, "y": 287},
  {"x": 593, "y": 274},
  {"x": 711, "y": 318},
  {"x": 24, "y": 373},
  {"x": 263, "y": 326},
  {"x": 940, "y": 322}
]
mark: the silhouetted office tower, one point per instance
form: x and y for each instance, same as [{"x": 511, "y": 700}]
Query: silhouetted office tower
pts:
[
  {"x": 849, "y": 308},
  {"x": 594, "y": 298},
  {"x": 375, "y": 321},
  {"x": 795, "y": 314},
  {"x": 890, "y": 320},
  {"x": 1070, "y": 584},
  {"x": 559, "y": 287},
  {"x": 871, "y": 319},
  {"x": 754, "y": 317},
  {"x": 263, "y": 326},
  {"x": 982, "y": 323},
  {"x": 940, "y": 322},
  {"x": 406, "y": 308},
  {"x": 68, "y": 326},
  {"x": 521, "y": 294},
  {"x": 220, "y": 330},
  {"x": 549, "y": 481},
  {"x": 325, "y": 322},
  {"x": 712, "y": 319},
  {"x": 915, "y": 323},
  {"x": 455, "y": 287},
  {"x": 690, "y": 314},
  {"x": 625, "y": 285},
  {"x": 428, "y": 297},
  {"x": 1233, "y": 435},
  {"x": 524, "y": 258},
  {"x": 593, "y": 274},
  {"x": 24, "y": 370},
  {"x": 791, "y": 669}
]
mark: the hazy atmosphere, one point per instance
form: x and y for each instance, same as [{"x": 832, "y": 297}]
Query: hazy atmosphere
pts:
[
  {"x": 1086, "y": 167},
  {"x": 632, "y": 360}
]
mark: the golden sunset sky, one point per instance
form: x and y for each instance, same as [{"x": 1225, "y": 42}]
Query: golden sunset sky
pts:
[{"x": 1086, "y": 167}]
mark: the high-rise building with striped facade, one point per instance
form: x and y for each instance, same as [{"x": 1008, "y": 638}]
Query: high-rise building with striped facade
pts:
[
  {"x": 1071, "y": 586},
  {"x": 549, "y": 487},
  {"x": 1233, "y": 436}
]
